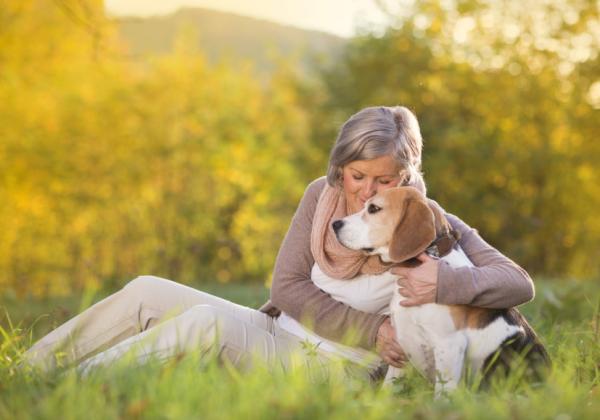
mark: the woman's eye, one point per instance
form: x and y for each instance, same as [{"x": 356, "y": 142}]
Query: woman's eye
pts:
[
  {"x": 384, "y": 182},
  {"x": 373, "y": 208},
  {"x": 358, "y": 178}
]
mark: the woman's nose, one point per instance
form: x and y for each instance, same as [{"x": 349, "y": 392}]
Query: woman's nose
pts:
[{"x": 371, "y": 189}]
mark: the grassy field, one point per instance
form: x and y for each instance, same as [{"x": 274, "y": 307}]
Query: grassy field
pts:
[{"x": 565, "y": 313}]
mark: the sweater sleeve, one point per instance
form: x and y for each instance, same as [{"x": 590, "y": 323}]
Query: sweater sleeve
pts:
[
  {"x": 293, "y": 291},
  {"x": 494, "y": 282}
]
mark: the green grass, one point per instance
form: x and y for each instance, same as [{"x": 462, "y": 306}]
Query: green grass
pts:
[{"x": 565, "y": 313}]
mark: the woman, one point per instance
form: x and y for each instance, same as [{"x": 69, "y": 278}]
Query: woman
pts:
[{"x": 377, "y": 148}]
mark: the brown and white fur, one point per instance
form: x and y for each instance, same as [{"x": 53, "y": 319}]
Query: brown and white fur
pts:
[{"x": 441, "y": 341}]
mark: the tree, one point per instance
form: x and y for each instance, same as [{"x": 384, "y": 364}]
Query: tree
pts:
[{"x": 507, "y": 114}]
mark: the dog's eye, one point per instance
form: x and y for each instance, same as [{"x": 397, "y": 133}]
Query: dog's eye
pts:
[{"x": 373, "y": 208}]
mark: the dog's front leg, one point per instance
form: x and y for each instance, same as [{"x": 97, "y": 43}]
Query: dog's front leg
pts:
[{"x": 449, "y": 353}]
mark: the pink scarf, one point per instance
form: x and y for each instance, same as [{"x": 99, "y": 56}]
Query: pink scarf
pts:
[{"x": 333, "y": 258}]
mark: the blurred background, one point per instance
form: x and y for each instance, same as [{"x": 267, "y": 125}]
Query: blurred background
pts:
[{"x": 176, "y": 140}]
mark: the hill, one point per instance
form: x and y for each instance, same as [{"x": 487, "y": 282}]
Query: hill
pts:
[{"x": 228, "y": 35}]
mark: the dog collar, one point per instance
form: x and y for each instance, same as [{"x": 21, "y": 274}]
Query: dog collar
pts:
[{"x": 443, "y": 244}]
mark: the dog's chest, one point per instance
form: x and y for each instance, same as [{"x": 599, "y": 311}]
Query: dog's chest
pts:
[
  {"x": 367, "y": 293},
  {"x": 424, "y": 319},
  {"x": 429, "y": 318}
]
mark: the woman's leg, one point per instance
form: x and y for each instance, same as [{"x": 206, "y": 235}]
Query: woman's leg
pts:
[
  {"x": 141, "y": 304},
  {"x": 239, "y": 337}
]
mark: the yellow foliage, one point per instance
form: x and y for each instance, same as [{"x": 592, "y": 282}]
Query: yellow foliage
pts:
[{"x": 172, "y": 168}]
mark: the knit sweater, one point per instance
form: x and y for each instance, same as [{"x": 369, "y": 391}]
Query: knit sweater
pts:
[{"x": 494, "y": 282}]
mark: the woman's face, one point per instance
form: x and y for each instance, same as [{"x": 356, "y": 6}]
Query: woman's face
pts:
[{"x": 362, "y": 179}]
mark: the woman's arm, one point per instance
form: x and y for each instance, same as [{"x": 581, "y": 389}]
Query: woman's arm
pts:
[
  {"x": 494, "y": 282},
  {"x": 293, "y": 291}
]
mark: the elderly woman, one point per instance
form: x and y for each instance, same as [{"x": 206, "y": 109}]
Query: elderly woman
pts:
[{"x": 377, "y": 148}]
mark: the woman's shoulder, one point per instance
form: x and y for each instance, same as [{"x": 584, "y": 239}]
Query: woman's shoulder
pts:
[
  {"x": 315, "y": 187},
  {"x": 308, "y": 203},
  {"x": 313, "y": 190}
]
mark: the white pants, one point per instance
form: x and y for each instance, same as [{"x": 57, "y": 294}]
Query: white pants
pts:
[{"x": 155, "y": 317}]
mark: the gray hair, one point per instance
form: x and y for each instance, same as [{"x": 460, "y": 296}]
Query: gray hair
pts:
[{"x": 379, "y": 131}]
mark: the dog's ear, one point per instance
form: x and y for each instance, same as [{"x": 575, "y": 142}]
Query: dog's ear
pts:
[
  {"x": 414, "y": 232},
  {"x": 441, "y": 223}
]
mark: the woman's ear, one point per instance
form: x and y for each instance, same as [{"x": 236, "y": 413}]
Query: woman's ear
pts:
[{"x": 414, "y": 232}]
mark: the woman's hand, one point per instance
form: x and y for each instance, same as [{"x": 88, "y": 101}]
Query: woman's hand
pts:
[
  {"x": 387, "y": 346},
  {"x": 418, "y": 284}
]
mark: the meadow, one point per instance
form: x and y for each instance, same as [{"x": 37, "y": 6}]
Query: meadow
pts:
[
  {"x": 123, "y": 153},
  {"x": 565, "y": 313}
]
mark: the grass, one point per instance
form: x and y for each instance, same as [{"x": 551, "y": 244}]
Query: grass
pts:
[{"x": 565, "y": 313}]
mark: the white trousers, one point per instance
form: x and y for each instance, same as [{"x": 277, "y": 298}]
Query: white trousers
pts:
[{"x": 159, "y": 318}]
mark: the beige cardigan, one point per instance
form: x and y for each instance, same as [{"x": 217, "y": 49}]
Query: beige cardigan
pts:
[{"x": 494, "y": 282}]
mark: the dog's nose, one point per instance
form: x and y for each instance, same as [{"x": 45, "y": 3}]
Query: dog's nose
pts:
[{"x": 337, "y": 225}]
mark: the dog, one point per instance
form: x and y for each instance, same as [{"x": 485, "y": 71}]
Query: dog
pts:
[{"x": 441, "y": 341}]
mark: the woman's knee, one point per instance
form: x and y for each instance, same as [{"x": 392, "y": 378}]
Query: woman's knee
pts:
[
  {"x": 144, "y": 283},
  {"x": 148, "y": 291}
]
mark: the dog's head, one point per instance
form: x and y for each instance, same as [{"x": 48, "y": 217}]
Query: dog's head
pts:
[{"x": 397, "y": 224}]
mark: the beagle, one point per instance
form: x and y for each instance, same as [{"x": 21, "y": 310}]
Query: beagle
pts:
[{"x": 440, "y": 340}]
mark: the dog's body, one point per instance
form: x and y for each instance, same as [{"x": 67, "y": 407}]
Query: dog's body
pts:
[
  {"x": 439, "y": 340},
  {"x": 442, "y": 340}
]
